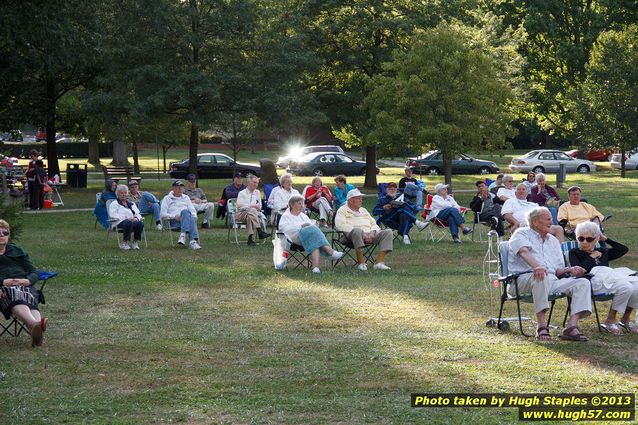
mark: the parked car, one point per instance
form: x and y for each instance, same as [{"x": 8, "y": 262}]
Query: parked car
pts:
[
  {"x": 595, "y": 155},
  {"x": 631, "y": 161},
  {"x": 12, "y": 136},
  {"x": 213, "y": 166},
  {"x": 432, "y": 163},
  {"x": 327, "y": 164},
  {"x": 548, "y": 161},
  {"x": 284, "y": 161}
]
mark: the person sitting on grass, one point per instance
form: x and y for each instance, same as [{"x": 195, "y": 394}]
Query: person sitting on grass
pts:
[
  {"x": 127, "y": 217},
  {"x": 574, "y": 212},
  {"x": 536, "y": 254},
  {"x": 146, "y": 202},
  {"x": 198, "y": 198},
  {"x": 361, "y": 229},
  {"x": 400, "y": 216},
  {"x": 341, "y": 190},
  {"x": 621, "y": 282},
  {"x": 318, "y": 197},
  {"x": 301, "y": 231},
  {"x": 100, "y": 212},
  {"x": 249, "y": 210},
  {"x": 18, "y": 294},
  {"x": 444, "y": 207},
  {"x": 179, "y": 210}
]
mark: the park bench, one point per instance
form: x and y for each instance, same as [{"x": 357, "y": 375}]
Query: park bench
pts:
[{"x": 118, "y": 173}]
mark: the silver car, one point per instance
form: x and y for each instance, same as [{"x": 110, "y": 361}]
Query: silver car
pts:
[
  {"x": 548, "y": 161},
  {"x": 631, "y": 161}
]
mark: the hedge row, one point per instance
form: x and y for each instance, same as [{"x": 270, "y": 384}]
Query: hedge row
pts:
[{"x": 65, "y": 149}]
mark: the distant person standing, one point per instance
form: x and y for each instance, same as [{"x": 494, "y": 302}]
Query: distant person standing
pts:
[
  {"x": 39, "y": 182},
  {"x": 33, "y": 157}
]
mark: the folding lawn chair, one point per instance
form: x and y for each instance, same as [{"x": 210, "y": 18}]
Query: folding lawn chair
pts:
[
  {"x": 440, "y": 226},
  {"x": 15, "y": 327},
  {"x": 505, "y": 280},
  {"x": 341, "y": 243},
  {"x": 234, "y": 225},
  {"x": 296, "y": 254}
]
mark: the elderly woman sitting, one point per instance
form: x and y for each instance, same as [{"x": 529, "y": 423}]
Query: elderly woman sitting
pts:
[
  {"x": 301, "y": 231},
  {"x": 319, "y": 198},
  {"x": 18, "y": 294},
  {"x": 279, "y": 197},
  {"x": 444, "y": 207},
  {"x": 127, "y": 217},
  {"x": 621, "y": 282},
  {"x": 545, "y": 196}
]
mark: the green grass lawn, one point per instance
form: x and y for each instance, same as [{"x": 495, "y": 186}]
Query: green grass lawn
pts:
[{"x": 218, "y": 336}]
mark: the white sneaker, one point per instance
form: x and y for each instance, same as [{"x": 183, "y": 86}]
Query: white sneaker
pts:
[
  {"x": 422, "y": 224},
  {"x": 182, "y": 239},
  {"x": 406, "y": 240},
  {"x": 336, "y": 255},
  {"x": 381, "y": 266},
  {"x": 194, "y": 245},
  {"x": 316, "y": 270},
  {"x": 125, "y": 246},
  {"x": 363, "y": 267},
  {"x": 135, "y": 245},
  {"x": 159, "y": 226}
]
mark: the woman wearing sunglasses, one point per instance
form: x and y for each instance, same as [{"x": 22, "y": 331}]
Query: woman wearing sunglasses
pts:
[
  {"x": 18, "y": 294},
  {"x": 621, "y": 282}
]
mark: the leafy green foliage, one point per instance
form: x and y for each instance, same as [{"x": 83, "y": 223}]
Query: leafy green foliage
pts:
[
  {"x": 441, "y": 94},
  {"x": 608, "y": 102}
]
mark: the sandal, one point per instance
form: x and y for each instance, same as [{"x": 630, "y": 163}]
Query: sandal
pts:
[
  {"x": 572, "y": 333},
  {"x": 611, "y": 328},
  {"x": 542, "y": 334},
  {"x": 43, "y": 323},
  {"x": 630, "y": 327}
]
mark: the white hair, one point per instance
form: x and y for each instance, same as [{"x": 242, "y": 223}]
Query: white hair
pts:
[
  {"x": 540, "y": 176},
  {"x": 588, "y": 227},
  {"x": 284, "y": 177},
  {"x": 534, "y": 213},
  {"x": 121, "y": 187},
  {"x": 507, "y": 177},
  {"x": 294, "y": 199}
]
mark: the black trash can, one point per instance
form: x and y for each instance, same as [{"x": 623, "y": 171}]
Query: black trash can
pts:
[{"x": 76, "y": 175}]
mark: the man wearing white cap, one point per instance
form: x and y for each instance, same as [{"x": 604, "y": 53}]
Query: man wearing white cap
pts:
[
  {"x": 444, "y": 207},
  {"x": 361, "y": 229}
]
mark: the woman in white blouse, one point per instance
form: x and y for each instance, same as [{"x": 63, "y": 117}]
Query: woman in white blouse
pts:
[
  {"x": 279, "y": 197},
  {"x": 126, "y": 217},
  {"x": 301, "y": 231}
]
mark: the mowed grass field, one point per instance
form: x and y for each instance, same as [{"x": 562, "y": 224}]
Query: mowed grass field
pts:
[{"x": 166, "y": 334}]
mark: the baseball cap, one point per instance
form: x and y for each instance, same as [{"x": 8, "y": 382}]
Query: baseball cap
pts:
[
  {"x": 239, "y": 175},
  {"x": 133, "y": 183},
  {"x": 178, "y": 183},
  {"x": 353, "y": 193},
  {"x": 572, "y": 188},
  {"x": 440, "y": 186},
  {"x": 191, "y": 177}
]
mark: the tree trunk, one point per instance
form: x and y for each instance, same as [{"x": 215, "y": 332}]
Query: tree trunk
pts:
[
  {"x": 136, "y": 159},
  {"x": 622, "y": 163},
  {"x": 94, "y": 147},
  {"x": 192, "y": 152},
  {"x": 165, "y": 149},
  {"x": 52, "y": 150},
  {"x": 371, "y": 167},
  {"x": 120, "y": 154},
  {"x": 447, "y": 168}
]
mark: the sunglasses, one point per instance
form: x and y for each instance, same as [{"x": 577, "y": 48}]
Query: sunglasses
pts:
[
  {"x": 588, "y": 239},
  {"x": 5, "y": 233}
]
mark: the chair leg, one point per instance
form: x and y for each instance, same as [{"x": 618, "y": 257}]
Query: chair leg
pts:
[{"x": 593, "y": 301}]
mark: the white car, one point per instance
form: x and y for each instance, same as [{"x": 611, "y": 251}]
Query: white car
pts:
[
  {"x": 549, "y": 161},
  {"x": 631, "y": 163}
]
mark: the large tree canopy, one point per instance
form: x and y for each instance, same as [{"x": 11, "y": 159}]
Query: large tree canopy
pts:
[{"x": 440, "y": 94}]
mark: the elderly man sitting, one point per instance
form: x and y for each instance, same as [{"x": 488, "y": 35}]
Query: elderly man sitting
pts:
[
  {"x": 361, "y": 229},
  {"x": 534, "y": 249},
  {"x": 575, "y": 212},
  {"x": 484, "y": 203},
  {"x": 179, "y": 210},
  {"x": 146, "y": 202},
  {"x": 515, "y": 211},
  {"x": 200, "y": 203}
]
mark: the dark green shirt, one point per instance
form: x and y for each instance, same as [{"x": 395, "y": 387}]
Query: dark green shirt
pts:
[{"x": 16, "y": 264}]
